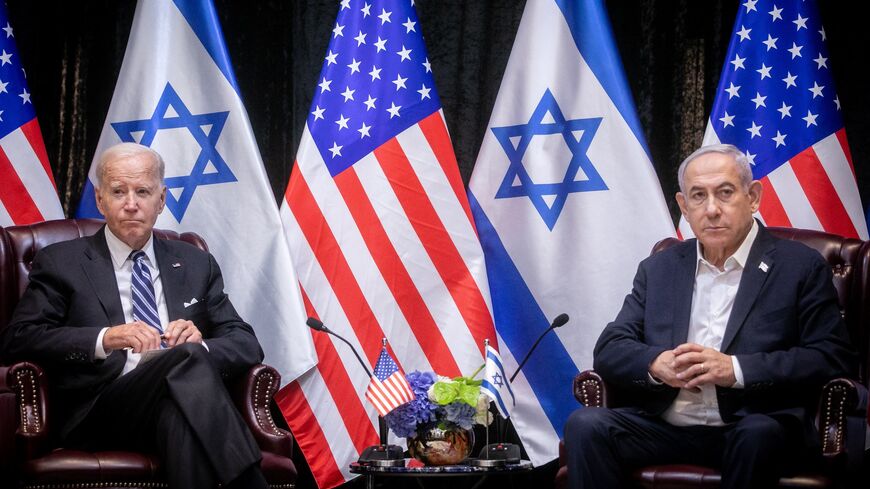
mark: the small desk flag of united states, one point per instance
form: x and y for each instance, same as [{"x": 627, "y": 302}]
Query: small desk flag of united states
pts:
[
  {"x": 776, "y": 101},
  {"x": 388, "y": 388},
  {"x": 27, "y": 190}
]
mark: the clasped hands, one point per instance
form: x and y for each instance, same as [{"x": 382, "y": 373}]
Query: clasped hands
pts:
[
  {"x": 689, "y": 366},
  {"x": 141, "y": 337}
]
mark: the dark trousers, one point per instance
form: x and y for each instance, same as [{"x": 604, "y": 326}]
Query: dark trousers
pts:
[
  {"x": 177, "y": 406},
  {"x": 605, "y": 446}
]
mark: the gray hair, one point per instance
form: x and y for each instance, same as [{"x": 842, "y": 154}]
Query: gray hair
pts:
[
  {"x": 740, "y": 160},
  {"x": 121, "y": 151}
]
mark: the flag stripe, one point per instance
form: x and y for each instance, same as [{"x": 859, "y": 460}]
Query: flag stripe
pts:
[
  {"x": 518, "y": 305},
  {"x": 440, "y": 247},
  {"x": 451, "y": 212},
  {"x": 31, "y": 170},
  {"x": 356, "y": 420},
  {"x": 341, "y": 278},
  {"x": 300, "y": 417},
  {"x": 794, "y": 201},
  {"x": 399, "y": 386},
  {"x": 14, "y": 195},
  {"x": 419, "y": 266},
  {"x": 33, "y": 134},
  {"x": 832, "y": 156},
  {"x": 844, "y": 143},
  {"x": 319, "y": 291},
  {"x": 819, "y": 191},
  {"x": 407, "y": 297},
  {"x": 435, "y": 131},
  {"x": 380, "y": 396},
  {"x": 334, "y": 211},
  {"x": 337, "y": 363},
  {"x": 771, "y": 207},
  {"x": 332, "y": 381}
]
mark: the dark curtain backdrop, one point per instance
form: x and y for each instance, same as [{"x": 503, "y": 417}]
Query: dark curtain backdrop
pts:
[{"x": 672, "y": 50}]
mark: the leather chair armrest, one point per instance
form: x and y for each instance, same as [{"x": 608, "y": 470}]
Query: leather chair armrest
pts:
[
  {"x": 28, "y": 382},
  {"x": 838, "y": 401},
  {"x": 590, "y": 389},
  {"x": 253, "y": 395}
]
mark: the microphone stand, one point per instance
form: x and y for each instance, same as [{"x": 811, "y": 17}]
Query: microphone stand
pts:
[
  {"x": 502, "y": 452},
  {"x": 383, "y": 455}
]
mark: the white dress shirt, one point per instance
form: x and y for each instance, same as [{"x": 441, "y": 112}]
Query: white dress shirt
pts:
[
  {"x": 123, "y": 266},
  {"x": 712, "y": 301}
]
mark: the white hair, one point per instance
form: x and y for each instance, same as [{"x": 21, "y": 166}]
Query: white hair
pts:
[
  {"x": 121, "y": 151},
  {"x": 740, "y": 161}
]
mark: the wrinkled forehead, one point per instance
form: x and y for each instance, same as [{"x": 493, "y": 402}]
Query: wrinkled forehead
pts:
[
  {"x": 712, "y": 171},
  {"x": 139, "y": 169}
]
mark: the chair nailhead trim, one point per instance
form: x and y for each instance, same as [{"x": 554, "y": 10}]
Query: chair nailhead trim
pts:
[
  {"x": 594, "y": 386},
  {"x": 834, "y": 416},
  {"x": 26, "y": 384},
  {"x": 262, "y": 395},
  {"x": 97, "y": 485}
]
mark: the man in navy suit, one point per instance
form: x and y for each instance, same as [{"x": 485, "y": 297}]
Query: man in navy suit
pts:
[
  {"x": 721, "y": 347},
  {"x": 83, "y": 317}
]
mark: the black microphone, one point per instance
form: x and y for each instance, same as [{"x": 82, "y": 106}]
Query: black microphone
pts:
[
  {"x": 558, "y": 322},
  {"x": 380, "y": 455},
  {"x": 318, "y": 325}
]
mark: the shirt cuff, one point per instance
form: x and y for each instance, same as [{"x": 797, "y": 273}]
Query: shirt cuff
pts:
[
  {"x": 653, "y": 379},
  {"x": 738, "y": 373},
  {"x": 99, "y": 352},
  {"x": 206, "y": 346}
]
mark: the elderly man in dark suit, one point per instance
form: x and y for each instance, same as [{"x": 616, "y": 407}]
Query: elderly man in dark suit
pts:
[
  {"x": 137, "y": 333},
  {"x": 721, "y": 346}
]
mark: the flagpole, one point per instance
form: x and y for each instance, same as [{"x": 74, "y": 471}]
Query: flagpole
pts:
[{"x": 485, "y": 346}]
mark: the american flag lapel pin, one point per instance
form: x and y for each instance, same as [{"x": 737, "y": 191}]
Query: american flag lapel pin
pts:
[{"x": 763, "y": 267}]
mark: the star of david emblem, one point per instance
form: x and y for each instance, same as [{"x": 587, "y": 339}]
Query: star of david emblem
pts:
[
  {"x": 547, "y": 119},
  {"x": 205, "y": 129},
  {"x": 497, "y": 380}
]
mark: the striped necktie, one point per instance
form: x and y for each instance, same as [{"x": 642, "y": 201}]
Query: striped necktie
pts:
[{"x": 144, "y": 302}]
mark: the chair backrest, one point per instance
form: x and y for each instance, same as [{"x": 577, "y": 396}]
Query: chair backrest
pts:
[
  {"x": 850, "y": 262},
  {"x": 19, "y": 244}
]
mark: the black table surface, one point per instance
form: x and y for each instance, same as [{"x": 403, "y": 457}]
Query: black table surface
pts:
[{"x": 442, "y": 470}]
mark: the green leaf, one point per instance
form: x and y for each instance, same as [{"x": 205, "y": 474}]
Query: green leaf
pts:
[{"x": 445, "y": 392}]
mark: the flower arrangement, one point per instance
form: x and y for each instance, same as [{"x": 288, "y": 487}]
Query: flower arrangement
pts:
[{"x": 440, "y": 402}]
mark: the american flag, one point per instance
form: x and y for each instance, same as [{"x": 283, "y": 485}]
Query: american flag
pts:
[
  {"x": 776, "y": 101},
  {"x": 380, "y": 230},
  {"x": 28, "y": 193},
  {"x": 388, "y": 388}
]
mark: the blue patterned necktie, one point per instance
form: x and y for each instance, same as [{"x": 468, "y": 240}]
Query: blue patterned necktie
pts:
[{"x": 144, "y": 302}]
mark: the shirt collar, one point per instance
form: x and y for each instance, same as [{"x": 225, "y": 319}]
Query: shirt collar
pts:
[
  {"x": 739, "y": 258},
  {"x": 120, "y": 251}
]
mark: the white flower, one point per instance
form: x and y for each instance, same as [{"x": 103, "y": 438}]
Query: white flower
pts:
[{"x": 483, "y": 416}]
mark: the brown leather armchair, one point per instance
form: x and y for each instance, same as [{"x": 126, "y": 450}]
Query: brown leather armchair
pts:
[
  {"x": 839, "y": 404},
  {"x": 28, "y": 452}
]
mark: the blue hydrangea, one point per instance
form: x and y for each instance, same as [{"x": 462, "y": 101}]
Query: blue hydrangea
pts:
[
  {"x": 404, "y": 419},
  {"x": 459, "y": 413}
]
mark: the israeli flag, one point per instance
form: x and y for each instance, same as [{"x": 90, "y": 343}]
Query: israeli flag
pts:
[
  {"x": 496, "y": 384},
  {"x": 566, "y": 203},
  {"x": 177, "y": 94}
]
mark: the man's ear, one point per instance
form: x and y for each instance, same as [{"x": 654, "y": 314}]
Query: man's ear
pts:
[
  {"x": 681, "y": 201},
  {"x": 755, "y": 191},
  {"x": 162, "y": 199},
  {"x": 98, "y": 197}
]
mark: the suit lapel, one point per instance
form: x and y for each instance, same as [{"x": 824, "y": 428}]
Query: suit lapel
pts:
[
  {"x": 172, "y": 276},
  {"x": 684, "y": 288},
  {"x": 751, "y": 282},
  {"x": 97, "y": 266}
]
